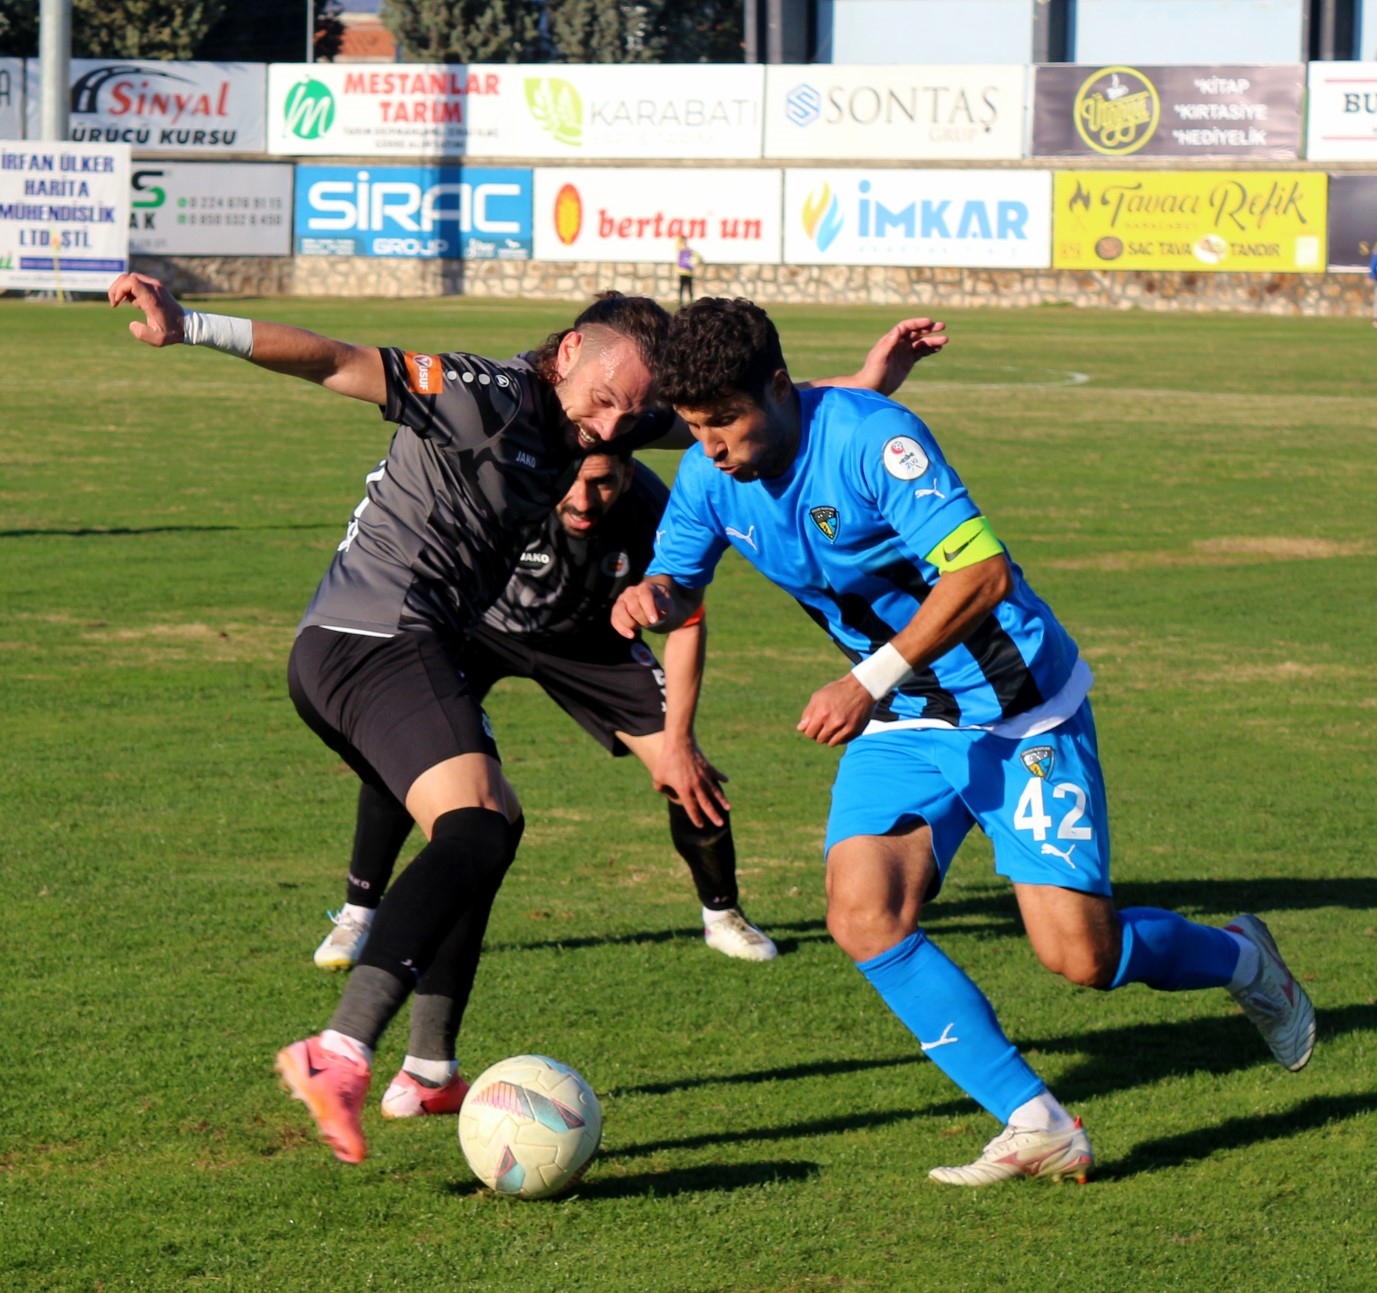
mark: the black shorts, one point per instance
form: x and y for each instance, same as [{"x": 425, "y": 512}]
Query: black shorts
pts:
[
  {"x": 391, "y": 708},
  {"x": 618, "y": 686}
]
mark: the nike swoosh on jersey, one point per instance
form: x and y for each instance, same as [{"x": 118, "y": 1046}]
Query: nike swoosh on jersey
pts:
[{"x": 952, "y": 556}]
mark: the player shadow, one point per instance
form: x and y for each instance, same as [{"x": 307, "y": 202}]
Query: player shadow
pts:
[
  {"x": 716, "y": 1178},
  {"x": 794, "y": 1072},
  {"x": 994, "y": 912},
  {"x": 1199, "y": 1143},
  {"x": 124, "y": 531},
  {"x": 806, "y": 1130}
]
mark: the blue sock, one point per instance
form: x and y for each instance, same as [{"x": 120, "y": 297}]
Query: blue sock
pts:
[
  {"x": 954, "y": 1023},
  {"x": 1173, "y": 954}
]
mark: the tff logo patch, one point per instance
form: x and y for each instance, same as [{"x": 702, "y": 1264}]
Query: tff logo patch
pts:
[{"x": 904, "y": 458}]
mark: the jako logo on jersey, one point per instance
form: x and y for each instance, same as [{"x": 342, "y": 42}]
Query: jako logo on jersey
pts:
[
  {"x": 568, "y": 214},
  {"x": 616, "y": 564},
  {"x": 525, "y": 459},
  {"x": 423, "y": 374},
  {"x": 825, "y": 518},
  {"x": 536, "y": 558},
  {"x": 904, "y": 458},
  {"x": 1039, "y": 760}
]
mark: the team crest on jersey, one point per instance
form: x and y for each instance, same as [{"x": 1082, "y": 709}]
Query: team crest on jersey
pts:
[
  {"x": 1039, "y": 760},
  {"x": 642, "y": 654},
  {"x": 904, "y": 458},
  {"x": 616, "y": 564},
  {"x": 825, "y": 518},
  {"x": 423, "y": 374}
]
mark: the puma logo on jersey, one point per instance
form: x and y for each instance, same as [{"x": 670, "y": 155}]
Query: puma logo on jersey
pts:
[
  {"x": 1051, "y": 850},
  {"x": 945, "y": 1040},
  {"x": 748, "y": 537},
  {"x": 934, "y": 492}
]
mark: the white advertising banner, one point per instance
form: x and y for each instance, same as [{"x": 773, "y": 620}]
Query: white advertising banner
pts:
[
  {"x": 969, "y": 218},
  {"x": 515, "y": 111},
  {"x": 211, "y": 209},
  {"x": 64, "y": 215},
  {"x": 1342, "y": 112},
  {"x": 11, "y": 98},
  {"x": 617, "y": 214},
  {"x": 158, "y": 107},
  {"x": 901, "y": 113}
]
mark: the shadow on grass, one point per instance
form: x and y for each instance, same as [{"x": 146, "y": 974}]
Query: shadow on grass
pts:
[
  {"x": 998, "y": 912},
  {"x": 715, "y": 1179},
  {"x": 122, "y": 531},
  {"x": 1168, "y": 1152},
  {"x": 1118, "y": 1059},
  {"x": 1111, "y": 1060},
  {"x": 835, "y": 1126}
]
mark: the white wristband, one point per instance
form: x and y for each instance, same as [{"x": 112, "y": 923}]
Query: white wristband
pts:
[
  {"x": 219, "y": 332},
  {"x": 882, "y": 672}
]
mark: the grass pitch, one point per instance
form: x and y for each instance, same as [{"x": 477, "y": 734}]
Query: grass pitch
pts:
[{"x": 1194, "y": 497}]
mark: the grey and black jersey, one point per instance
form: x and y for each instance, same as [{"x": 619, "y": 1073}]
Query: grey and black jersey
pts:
[{"x": 561, "y": 592}]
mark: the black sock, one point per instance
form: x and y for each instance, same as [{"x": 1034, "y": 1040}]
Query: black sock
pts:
[
  {"x": 468, "y": 848},
  {"x": 442, "y": 995},
  {"x": 380, "y": 829},
  {"x": 711, "y": 856}
]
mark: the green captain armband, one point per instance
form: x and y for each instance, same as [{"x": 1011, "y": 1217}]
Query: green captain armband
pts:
[{"x": 964, "y": 546}]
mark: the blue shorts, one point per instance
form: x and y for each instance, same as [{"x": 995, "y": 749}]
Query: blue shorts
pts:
[{"x": 1041, "y": 799}]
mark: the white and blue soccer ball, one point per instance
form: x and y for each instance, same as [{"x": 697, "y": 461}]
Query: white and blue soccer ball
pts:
[{"x": 529, "y": 1126}]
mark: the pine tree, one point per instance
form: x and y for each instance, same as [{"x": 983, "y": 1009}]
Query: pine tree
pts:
[
  {"x": 466, "y": 31},
  {"x": 648, "y": 31},
  {"x": 116, "y": 28}
]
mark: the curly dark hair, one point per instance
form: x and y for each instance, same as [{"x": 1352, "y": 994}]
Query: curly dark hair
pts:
[
  {"x": 640, "y": 320},
  {"x": 716, "y": 347}
]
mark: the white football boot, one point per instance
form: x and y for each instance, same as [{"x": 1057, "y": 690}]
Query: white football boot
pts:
[
  {"x": 341, "y": 946},
  {"x": 734, "y": 935},
  {"x": 1274, "y": 1001},
  {"x": 1051, "y": 1155}
]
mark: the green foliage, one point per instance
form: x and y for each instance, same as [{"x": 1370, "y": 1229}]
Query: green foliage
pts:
[
  {"x": 655, "y": 31},
  {"x": 466, "y": 31},
  {"x": 170, "y": 29},
  {"x": 1199, "y": 513}
]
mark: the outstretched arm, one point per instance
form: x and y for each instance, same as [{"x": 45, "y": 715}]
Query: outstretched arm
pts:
[
  {"x": 892, "y": 357},
  {"x": 356, "y": 371},
  {"x": 959, "y": 601}
]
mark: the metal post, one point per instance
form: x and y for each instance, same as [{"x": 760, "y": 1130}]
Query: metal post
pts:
[
  {"x": 310, "y": 31},
  {"x": 55, "y": 63}
]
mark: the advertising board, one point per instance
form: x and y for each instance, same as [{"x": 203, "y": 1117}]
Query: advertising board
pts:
[
  {"x": 618, "y": 214},
  {"x": 1203, "y": 221},
  {"x": 160, "y": 107},
  {"x": 973, "y": 218},
  {"x": 425, "y": 212},
  {"x": 1352, "y": 221},
  {"x": 1341, "y": 118},
  {"x": 515, "y": 110},
  {"x": 64, "y": 215},
  {"x": 1251, "y": 110},
  {"x": 11, "y": 98},
  {"x": 211, "y": 209},
  {"x": 971, "y": 113}
]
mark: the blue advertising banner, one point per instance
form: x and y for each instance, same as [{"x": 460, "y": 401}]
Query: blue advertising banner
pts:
[{"x": 424, "y": 212}]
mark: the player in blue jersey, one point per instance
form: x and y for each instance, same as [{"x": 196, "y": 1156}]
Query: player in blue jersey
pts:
[{"x": 966, "y": 706}]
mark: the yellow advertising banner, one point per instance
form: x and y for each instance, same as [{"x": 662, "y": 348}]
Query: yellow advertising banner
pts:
[{"x": 1208, "y": 221}]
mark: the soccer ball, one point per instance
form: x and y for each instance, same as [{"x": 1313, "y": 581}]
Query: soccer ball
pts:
[{"x": 529, "y": 1126}]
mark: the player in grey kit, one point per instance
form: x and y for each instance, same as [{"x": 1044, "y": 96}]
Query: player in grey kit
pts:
[
  {"x": 551, "y": 625},
  {"x": 482, "y": 453}
]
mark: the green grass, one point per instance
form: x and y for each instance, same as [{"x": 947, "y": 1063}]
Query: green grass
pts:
[{"x": 1199, "y": 511}]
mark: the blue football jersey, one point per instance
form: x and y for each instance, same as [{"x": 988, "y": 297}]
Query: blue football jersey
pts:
[{"x": 848, "y": 529}]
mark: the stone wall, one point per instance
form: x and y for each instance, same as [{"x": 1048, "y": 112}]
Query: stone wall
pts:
[{"x": 1288, "y": 294}]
